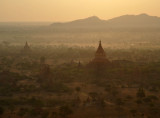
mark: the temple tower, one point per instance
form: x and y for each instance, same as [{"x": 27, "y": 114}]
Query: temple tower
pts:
[
  {"x": 26, "y": 49},
  {"x": 100, "y": 56}
]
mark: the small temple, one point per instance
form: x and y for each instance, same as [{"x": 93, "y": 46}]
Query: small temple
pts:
[
  {"x": 100, "y": 57},
  {"x": 26, "y": 49}
]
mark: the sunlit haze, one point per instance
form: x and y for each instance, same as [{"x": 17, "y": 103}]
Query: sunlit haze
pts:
[{"x": 66, "y": 10}]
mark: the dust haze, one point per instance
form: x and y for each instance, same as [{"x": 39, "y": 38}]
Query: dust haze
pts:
[{"x": 86, "y": 68}]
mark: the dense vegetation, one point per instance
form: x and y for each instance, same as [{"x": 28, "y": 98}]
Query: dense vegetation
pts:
[{"x": 55, "y": 82}]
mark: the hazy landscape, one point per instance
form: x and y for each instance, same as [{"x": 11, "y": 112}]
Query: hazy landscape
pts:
[
  {"x": 128, "y": 31},
  {"x": 52, "y": 70}
]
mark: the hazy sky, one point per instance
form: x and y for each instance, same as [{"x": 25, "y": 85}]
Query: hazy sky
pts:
[{"x": 66, "y": 10}]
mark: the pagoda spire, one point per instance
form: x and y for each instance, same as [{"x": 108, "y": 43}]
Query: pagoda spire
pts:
[
  {"x": 100, "y": 43},
  {"x": 26, "y": 45},
  {"x": 100, "y": 49},
  {"x": 26, "y": 49},
  {"x": 100, "y": 55}
]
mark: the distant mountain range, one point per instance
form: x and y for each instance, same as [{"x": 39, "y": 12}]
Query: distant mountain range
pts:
[{"x": 127, "y": 21}]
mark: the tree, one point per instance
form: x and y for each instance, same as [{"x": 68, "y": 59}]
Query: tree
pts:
[
  {"x": 45, "y": 114},
  {"x": 139, "y": 102},
  {"x": 133, "y": 111},
  {"x": 141, "y": 93},
  {"x": 35, "y": 112},
  {"x": 78, "y": 89},
  {"x": 12, "y": 108},
  {"x": 119, "y": 102},
  {"x": 22, "y": 111},
  {"x": 6, "y": 43},
  {"x": 65, "y": 111},
  {"x": 54, "y": 115},
  {"x": 101, "y": 104},
  {"x": 93, "y": 95},
  {"x": 42, "y": 60},
  {"x": 1, "y": 111}
]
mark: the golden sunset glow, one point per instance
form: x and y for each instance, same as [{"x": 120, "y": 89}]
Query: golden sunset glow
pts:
[{"x": 66, "y": 10}]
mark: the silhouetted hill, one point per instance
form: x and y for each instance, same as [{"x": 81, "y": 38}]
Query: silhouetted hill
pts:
[
  {"x": 88, "y": 22},
  {"x": 142, "y": 20}
]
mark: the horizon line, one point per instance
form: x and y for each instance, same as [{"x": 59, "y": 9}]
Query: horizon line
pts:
[{"x": 73, "y": 19}]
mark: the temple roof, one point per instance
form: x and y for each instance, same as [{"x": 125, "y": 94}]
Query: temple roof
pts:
[
  {"x": 100, "y": 49},
  {"x": 100, "y": 57},
  {"x": 26, "y": 46}
]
